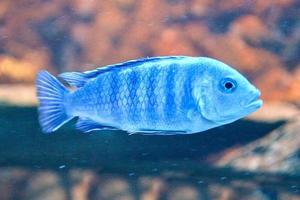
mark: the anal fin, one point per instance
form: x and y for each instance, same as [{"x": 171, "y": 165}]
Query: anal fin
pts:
[{"x": 87, "y": 125}]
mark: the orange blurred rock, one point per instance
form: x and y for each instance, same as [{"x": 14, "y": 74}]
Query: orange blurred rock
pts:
[
  {"x": 14, "y": 70},
  {"x": 201, "y": 8},
  {"x": 173, "y": 42},
  {"x": 124, "y": 3},
  {"x": 261, "y": 6},
  {"x": 79, "y": 35},
  {"x": 114, "y": 188},
  {"x": 45, "y": 185},
  {"x": 152, "y": 187},
  {"x": 274, "y": 84},
  {"x": 184, "y": 192},
  {"x": 177, "y": 9},
  {"x": 83, "y": 181},
  {"x": 275, "y": 111},
  {"x": 98, "y": 40},
  {"x": 294, "y": 86},
  {"x": 224, "y": 5},
  {"x": 250, "y": 28},
  {"x": 3, "y": 8},
  {"x": 151, "y": 12},
  {"x": 285, "y": 3},
  {"x": 18, "y": 94},
  {"x": 84, "y": 7}
]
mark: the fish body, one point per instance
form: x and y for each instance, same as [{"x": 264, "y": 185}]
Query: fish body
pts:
[{"x": 159, "y": 95}]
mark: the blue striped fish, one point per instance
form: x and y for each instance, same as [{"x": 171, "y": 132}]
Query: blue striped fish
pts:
[{"x": 158, "y": 95}]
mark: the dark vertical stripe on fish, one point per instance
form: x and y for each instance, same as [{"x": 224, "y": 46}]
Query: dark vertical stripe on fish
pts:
[
  {"x": 99, "y": 95},
  {"x": 114, "y": 92},
  {"x": 187, "y": 88},
  {"x": 106, "y": 93},
  {"x": 170, "y": 106},
  {"x": 133, "y": 81},
  {"x": 151, "y": 115}
]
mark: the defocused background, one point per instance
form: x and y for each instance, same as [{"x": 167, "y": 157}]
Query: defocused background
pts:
[{"x": 257, "y": 158}]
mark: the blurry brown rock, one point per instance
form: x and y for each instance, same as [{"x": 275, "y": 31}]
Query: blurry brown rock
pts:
[
  {"x": 16, "y": 70},
  {"x": 12, "y": 181},
  {"x": 250, "y": 28},
  {"x": 17, "y": 183},
  {"x": 185, "y": 192},
  {"x": 152, "y": 188},
  {"x": 173, "y": 42},
  {"x": 201, "y": 8},
  {"x": 241, "y": 190},
  {"x": 45, "y": 185},
  {"x": 114, "y": 188},
  {"x": 18, "y": 94},
  {"x": 83, "y": 181},
  {"x": 277, "y": 152},
  {"x": 275, "y": 111},
  {"x": 259, "y": 38}
]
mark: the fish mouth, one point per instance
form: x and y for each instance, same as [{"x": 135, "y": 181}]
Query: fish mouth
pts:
[
  {"x": 256, "y": 104},
  {"x": 249, "y": 108}
]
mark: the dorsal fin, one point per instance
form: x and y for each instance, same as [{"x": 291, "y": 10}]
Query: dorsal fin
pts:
[
  {"x": 130, "y": 63},
  {"x": 78, "y": 79}
]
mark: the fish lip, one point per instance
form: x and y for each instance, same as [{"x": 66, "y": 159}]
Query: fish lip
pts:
[
  {"x": 255, "y": 96},
  {"x": 255, "y": 104},
  {"x": 255, "y": 101}
]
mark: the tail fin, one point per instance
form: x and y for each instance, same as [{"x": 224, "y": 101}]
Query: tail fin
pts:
[{"x": 51, "y": 94}]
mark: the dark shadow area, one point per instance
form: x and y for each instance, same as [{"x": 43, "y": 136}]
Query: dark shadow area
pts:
[
  {"x": 23, "y": 143},
  {"x": 177, "y": 159}
]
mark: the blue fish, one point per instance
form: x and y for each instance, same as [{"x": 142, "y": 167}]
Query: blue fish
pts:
[{"x": 158, "y": 96}]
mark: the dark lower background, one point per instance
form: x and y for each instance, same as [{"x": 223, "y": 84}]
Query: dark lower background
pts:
[{"x": 113, "y": 165}]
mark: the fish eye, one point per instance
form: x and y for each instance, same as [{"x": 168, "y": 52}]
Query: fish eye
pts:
[{"x": 228, "y": 85}]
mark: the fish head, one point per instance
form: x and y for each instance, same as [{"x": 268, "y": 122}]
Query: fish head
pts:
[{"x": 223, "y": 94}]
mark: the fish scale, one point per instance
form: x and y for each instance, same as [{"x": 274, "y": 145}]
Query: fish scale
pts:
[
  {"x": 132, "y": 81},
  {"x": 159, "y": 99}
]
